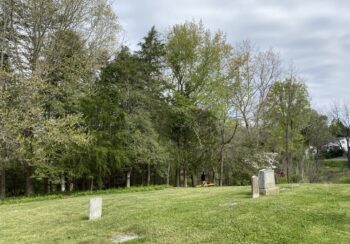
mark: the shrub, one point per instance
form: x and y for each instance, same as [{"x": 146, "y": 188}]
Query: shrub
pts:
[
  {"x": 332, "y": 152},
  {"x": 281, "y": 180},
  {"x": 295, "y": 178}
]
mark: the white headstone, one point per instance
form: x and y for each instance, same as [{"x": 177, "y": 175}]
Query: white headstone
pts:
[
  {"x": 95, "y": 208},
  {"x": 255, "y": 186},
  {"x": 267, "y": 182}
]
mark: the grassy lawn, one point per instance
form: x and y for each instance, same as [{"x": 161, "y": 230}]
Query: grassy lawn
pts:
[
  {"x": 335, "y": 171},
  {"x": 300, "y": 214}
]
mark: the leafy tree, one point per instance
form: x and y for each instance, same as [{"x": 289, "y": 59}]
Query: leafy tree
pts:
[
  {"x": 287, "y": 114},
  {"x": 28, "y": 118},
  {"x": 316, "y": 134},
  {"x": 53, "y": 48},
  {"x": 194, "y": 58},
  {"x": 152, "y": 55},
  {"x": 119, "y": 117}
]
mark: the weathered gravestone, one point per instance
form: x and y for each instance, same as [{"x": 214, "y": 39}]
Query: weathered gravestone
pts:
[
  {"x": 95, "y": 208},
  {"x": 267, "y": 182},
  {"x": 255, "y": 186}
]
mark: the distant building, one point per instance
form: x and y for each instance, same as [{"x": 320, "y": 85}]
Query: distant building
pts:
[{"x": 339, "y": 142}]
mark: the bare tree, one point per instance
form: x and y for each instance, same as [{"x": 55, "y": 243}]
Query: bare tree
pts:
[
  {"x": 267, "y": 69},
  {"x": 253, "y": 73}
]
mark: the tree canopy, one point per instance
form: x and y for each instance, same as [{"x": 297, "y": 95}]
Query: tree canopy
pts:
[{"x": 80, "y": 111}]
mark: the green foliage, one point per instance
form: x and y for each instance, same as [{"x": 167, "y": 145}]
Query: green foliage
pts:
[
  {"x": 281, "y": 180},
  {"x": 332, "y": 152},
  {"x": 76, "y": 113},
  {"x": 119, "y": 118},
  {"x": 337, "y": 128},
  {"x": 196, "y": 60},
  {"x": 317, "y": 132},
  {"x": 295, "y": 178},
  {"x": 287, "y": 112},
  {"x": 287, "y": 115}
]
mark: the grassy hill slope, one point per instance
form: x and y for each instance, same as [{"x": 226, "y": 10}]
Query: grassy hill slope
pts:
[{"x": 300, "y": 214}]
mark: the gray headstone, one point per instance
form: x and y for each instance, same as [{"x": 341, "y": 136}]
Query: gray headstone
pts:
[
  {"x": 255, "y": 186},
  {"x": 267, "y": 182},
  {"x": 95, "y": 208}
]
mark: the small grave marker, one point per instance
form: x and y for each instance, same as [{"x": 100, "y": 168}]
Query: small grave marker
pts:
[
  {"x": 95, "y": 208},
  {"x": 255, "y": 186}
]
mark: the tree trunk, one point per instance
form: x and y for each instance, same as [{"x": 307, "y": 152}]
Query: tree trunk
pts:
[
  {"x": 194, "y": 180},
  {"x": 133, "y": 176},
  {"x": 221, "y": 168},
  {"x": 317, "y": 161},
  {"x": 288, "y": 173},
  {"x": 148, "y": 174},
  {"x": 71, "y": 186},
  {"x": 6, "y": 13},
  {"x": 214, "y": 176},
  {"x": 168, "y": 175},
  {"x": 128, "y": 175},
  {"x": 297, "y": 169},
  {"x": 46, "y": 185},
  {"x": 287, "y": 155},
  {"x": 348, "y": 151},
  {"x": 178, "y": 177},
  {"x": 302, "y": 170},
  {"x": 83, "y": 184},
  {"x": 54, "y": 187},
  {"x": 154, "y": 179},
  {"x": 3, "y": 183},
  {"x": 28, "y": 181},
  {"x": 91, "y": 184},
  {"x": 51, "y": 187},
  {"x": 289, "y": 170},
  {"x": 185, "y": 177},
  {"x": 63, "y": 183}
]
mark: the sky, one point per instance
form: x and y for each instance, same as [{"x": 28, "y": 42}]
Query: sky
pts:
[{"x": 311, "y": 35}]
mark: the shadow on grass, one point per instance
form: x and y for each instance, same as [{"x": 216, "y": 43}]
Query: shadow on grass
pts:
[{"x": 84, "y": 218}]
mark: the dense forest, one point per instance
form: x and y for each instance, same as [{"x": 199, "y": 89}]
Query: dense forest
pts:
[{"x": 81, "y": 111}]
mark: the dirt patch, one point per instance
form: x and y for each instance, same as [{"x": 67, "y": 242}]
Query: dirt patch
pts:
[{"x": 124, "y": 237}]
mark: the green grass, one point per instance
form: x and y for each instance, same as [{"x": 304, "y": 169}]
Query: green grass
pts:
[
  {"x": 335, "y": 163},
  {"x": 335, "y": 171},
  {"x": 299, "y": 214}
]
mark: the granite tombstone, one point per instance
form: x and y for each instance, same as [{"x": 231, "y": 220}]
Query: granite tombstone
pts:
[{"x": 267, "y": 182}]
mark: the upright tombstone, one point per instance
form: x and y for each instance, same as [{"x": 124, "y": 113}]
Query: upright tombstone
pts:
[
  {"x": 255, "y": 186},
  {"x": 95, "y": 208},
  {"x": 267, "y": 182}
]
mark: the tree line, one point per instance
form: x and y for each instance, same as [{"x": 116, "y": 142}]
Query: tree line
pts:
[{"x": 80, "y": 111}]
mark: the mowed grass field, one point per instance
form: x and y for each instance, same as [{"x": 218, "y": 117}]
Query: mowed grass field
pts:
[{"x": 304, "y": 213}]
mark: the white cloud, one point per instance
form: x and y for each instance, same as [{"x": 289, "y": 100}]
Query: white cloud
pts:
[{"x": 314, "y": 34}]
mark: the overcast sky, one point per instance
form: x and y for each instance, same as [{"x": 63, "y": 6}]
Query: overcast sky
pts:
[{"x": 314, "y": 35}]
